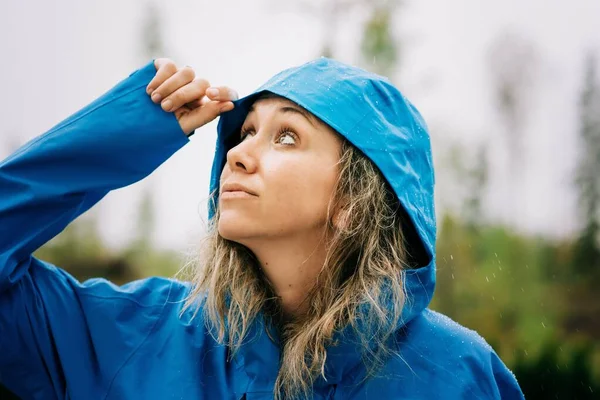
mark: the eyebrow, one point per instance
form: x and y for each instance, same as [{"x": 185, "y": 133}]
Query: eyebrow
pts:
[{"x": 294, "y": 110}]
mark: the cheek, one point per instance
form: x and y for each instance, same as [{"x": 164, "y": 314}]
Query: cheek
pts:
[
  {"x": 302, "y": 190},
  {"x": 224, "y": 173}
]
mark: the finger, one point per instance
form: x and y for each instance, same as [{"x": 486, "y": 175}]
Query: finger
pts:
[
  {"x": 197, "y": 103},
  {"x": 222, "y": 93},
  {"x": 174, "y": 82},
  {"x": 201, "y": 116},
  {"x": 187, "y": 94},
  {"x": 165, "y": 68}
]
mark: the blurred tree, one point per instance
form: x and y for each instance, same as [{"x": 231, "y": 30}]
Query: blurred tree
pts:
[
  {"x": 514, "y": 64},
  {"x": 379, "y": 49},
  {"x": 152, "y": 46},
  {"x": 477, "y": 183},
  {"x": 584, "y": 272},
  {"x": 468, "y": 168},
  {"x": 146, "y": 221},
  {"x": 329, "y": 13},
  {"x": 152, "y": 35},
  {"x": 587, "y": 258}
]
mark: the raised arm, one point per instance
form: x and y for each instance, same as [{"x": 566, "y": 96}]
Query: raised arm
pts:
[
  {"x": 115, "y": 141},
  {"x": 118, "y": 139},
  {"x": 60, "y": 338}
]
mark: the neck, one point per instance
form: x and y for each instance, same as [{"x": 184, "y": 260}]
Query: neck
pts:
[{"x": 291, "y": 265}]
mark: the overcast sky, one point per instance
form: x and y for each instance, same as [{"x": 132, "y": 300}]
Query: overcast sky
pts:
[{"x": 58, "y": 56}]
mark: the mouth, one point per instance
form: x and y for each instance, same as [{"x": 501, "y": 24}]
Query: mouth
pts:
[
  {"x": 235, "y": 190},
  {"x": 236, "y": 194}
]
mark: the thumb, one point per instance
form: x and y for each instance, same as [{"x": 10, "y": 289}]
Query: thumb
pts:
[{"x": 204, "y": 114}]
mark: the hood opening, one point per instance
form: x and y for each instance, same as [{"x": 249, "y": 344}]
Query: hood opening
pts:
[{"x": 417, "y": 254}]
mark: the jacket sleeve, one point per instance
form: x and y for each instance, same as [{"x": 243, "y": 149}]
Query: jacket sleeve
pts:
[
  {"x": 51, "y": 326},
  {"x": 506, "y": 382}
]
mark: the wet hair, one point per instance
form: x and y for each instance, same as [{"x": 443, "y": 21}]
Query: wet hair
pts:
[{"x": 360, "y": 285}]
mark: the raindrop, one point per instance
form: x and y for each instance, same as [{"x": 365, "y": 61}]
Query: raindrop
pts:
[
  {"x": 451, "y": 257},
  {"x": 452, "y": 276},
  {"x": 486, "y": 278},
  {"x": 544, "y": 325}
]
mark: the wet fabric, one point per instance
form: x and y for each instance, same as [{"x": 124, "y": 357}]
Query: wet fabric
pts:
[{"x": 64, "y": 339}]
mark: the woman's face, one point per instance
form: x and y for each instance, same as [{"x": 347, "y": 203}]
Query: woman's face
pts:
[{"x": 278, "y": 181}]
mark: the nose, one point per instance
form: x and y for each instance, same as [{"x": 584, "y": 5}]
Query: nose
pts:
[{"x": 242, "y": 158}]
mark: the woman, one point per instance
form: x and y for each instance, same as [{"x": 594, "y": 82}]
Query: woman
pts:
[{"x": 315, "y": 276}]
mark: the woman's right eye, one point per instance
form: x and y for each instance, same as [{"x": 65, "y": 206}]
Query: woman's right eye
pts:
[{"x": 245, "y": 134}]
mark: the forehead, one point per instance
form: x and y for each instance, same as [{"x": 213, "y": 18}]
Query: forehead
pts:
[
  {"x": 273, "y": 101},
  {"x": 270, "y": 104}
]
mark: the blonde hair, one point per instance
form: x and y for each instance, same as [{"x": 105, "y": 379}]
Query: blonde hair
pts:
[{"x": 360, "y": 286}]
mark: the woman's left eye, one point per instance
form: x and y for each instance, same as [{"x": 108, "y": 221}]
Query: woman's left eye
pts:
[{"x": 286, "y": 138}]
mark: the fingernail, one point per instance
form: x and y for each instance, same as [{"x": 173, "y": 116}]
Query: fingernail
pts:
[
  {"x": 156, "y": 98},
  {"x": 149, "y": 90},
  {"x": 233, "y": 94},
  {"x": 212, "y": 92},
  {"x": 167, "y": 104}
]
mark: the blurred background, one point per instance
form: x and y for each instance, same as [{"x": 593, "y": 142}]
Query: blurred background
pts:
[{"x": 510, "y": 90}]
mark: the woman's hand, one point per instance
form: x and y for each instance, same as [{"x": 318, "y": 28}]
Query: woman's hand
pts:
[{"x": 192, "y": 100}]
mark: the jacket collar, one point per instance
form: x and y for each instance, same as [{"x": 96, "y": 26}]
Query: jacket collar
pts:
[{"x": 259, "y": 356}]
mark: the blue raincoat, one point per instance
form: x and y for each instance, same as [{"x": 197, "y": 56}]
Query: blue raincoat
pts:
[{"x": 62, "y": 339}]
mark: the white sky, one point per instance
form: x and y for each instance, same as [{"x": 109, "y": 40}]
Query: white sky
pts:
[{"x": 57, "y": 56}]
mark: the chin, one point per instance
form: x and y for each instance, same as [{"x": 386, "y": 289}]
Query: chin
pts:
[{"x": 233, "y": 229}]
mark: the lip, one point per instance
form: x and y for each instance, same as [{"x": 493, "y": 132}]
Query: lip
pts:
[
  {"x": 236, "y": 194},
  {"x": 236, "y": 190}
]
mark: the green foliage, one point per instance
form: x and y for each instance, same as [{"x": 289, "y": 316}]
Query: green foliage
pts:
[
  {"x": 81, "y": 251},
  {"x": 558, "y": 374},
  {"x": 516, "y": 292},
  {"x": 379, "y": 48}
]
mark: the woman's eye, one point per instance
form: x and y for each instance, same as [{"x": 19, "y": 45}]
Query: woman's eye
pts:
[
  {"x": 244, "y": 135},
  {"x": 286, "y": 138}
]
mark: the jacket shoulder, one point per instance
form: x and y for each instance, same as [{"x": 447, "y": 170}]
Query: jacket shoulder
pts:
[{"x": 458, "y": 355}]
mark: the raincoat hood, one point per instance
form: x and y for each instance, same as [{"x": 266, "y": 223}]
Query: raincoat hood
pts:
[{"x": 367, "y": 110}]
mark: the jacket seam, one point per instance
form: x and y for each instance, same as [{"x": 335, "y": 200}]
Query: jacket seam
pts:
[
  {"x": 112, "y": 381},
  {"x": 81, "y": 293}
]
